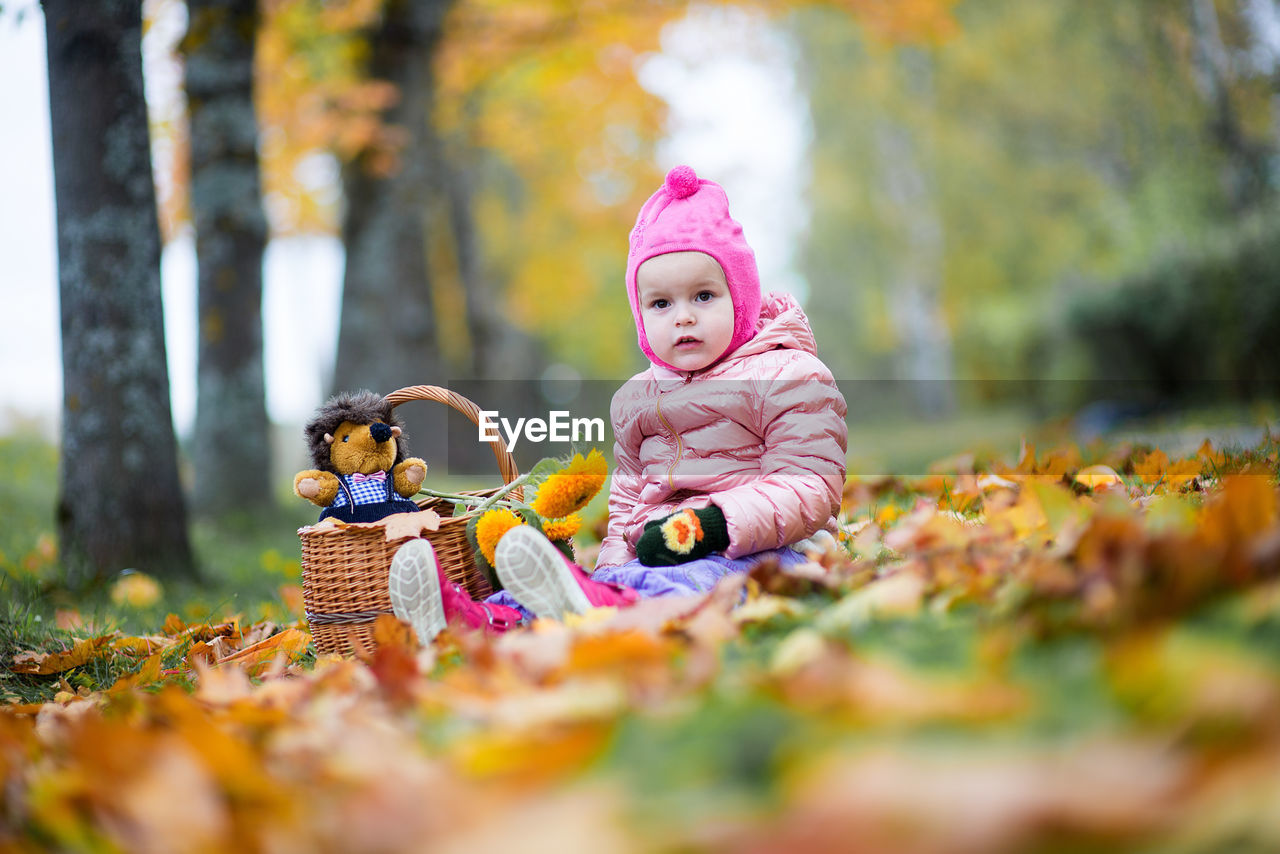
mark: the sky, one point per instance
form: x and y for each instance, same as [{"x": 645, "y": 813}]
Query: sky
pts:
[{"x": 734, "y": 116}]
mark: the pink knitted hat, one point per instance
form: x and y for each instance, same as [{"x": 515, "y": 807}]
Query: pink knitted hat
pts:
[{"x": 689, "y": 213}]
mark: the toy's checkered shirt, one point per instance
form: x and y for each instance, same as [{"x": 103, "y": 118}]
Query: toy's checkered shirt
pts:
[{"x": 362, "y": 489}]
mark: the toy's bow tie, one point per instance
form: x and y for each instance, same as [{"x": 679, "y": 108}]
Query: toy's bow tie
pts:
[{"x": 377, "y": 475}]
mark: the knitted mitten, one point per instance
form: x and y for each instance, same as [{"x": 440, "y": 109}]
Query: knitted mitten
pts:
[{"x": 683, "y": 536}]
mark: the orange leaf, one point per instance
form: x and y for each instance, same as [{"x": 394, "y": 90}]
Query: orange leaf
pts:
[
  {"x": 1152, "y": 467},
  {"x": 41, "y": 664},
  {"x": 618, "y": 652},
  {"x": 1213, "y": 460},
  {"x": 292, "y": 643},
  {"x": 390, "y": 631},
  {"x": 148, "y": 674}
]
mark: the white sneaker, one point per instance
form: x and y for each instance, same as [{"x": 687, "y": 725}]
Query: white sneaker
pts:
[
  {"x": 535, "y": 573},
  {"x": 414, "y": 585}
]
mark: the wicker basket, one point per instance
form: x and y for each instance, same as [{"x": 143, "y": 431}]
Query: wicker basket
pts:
[{"x": 344, "y": 570}]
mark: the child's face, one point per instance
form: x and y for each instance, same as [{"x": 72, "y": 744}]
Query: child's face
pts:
[{"x": 686, "y": 307}]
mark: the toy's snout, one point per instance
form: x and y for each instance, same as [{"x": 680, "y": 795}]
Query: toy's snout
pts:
[{"x": 363, "y": 448}]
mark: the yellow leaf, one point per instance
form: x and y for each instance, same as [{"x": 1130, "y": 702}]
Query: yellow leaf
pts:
[
  {"x": 1099, "y": 477},
  {"x": 515, "y": 756},
  {"x": 797, "y": 650},
  {"x": 1170, "y": 513},
  {"x": 765, "y": 607},
  {"x": 1023, "y": 518},
  {"x": 1060, "y": 507},
  {"x": 140, "y": 645},
  {"x": 887, "y": 514},
  {"x": 899, "y": 594}
]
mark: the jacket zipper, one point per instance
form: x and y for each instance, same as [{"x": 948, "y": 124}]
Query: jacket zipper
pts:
[{"x": 688, "y": 378}]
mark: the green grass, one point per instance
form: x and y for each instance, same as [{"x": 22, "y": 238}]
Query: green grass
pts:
[
  {"x": 907, "y": 445},
  {"x": 243, "y": 564}
]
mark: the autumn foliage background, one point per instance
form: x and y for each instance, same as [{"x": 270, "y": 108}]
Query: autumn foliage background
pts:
[{"x": 1039, "y": 253}]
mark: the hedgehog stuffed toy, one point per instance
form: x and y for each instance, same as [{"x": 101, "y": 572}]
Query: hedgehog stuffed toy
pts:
[{"x": 361, "y": 472}]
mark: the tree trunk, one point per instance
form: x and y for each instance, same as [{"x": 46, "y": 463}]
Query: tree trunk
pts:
[
  {"x": 120, "y": 504},
  {"x": 232, "y": 438},
  {"x": 481, "y": 323},
  {"x": 387, "y": 336}
]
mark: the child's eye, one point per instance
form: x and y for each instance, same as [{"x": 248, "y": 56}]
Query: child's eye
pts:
[
  {"x": 658, "y": 303},
  {"x": 705, "y": 296}
]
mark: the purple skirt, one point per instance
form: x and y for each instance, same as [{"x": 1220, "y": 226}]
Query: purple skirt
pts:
[{"x": 696, "y": 576}]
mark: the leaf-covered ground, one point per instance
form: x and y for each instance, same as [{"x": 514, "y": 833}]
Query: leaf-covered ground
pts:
[{"x": 1056, "y": 654}]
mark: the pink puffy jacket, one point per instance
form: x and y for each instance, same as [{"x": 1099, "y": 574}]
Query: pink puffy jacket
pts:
[{"x": 760, "y": 434}]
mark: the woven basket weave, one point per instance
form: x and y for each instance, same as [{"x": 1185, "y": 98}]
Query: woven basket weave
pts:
[{"x": 344, "y": 570}]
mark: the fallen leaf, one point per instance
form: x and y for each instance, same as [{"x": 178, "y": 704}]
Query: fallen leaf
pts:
[
  {"x": 1099, "y": 477},
  {"x": 140, "y": 646},
  {"x": 290, "y": 643},
  {"x": 44, "y": 663},
  {"x": 899, "y": 594},
  {"x": 401, "y": 526},
  {"x": 766, "y": 607}
]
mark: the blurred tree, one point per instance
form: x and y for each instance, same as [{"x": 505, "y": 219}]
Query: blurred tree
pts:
[
  {"x": 388, "y": 336},
  {"x": 907, "y": 196},
  {"x": 539, "y": 150},
  {"x": 1066, "y": 142},
  {"x": 1216, "y": 78},
  {"x": 231, "y": 450},
  {"x": 554, "y": 214},
  {"x": 876, "y": 256},
  {"x": 120, "y": 504}
]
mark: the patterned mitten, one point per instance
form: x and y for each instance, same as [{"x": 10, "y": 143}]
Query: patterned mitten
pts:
[{"x": 683, "y": 536}]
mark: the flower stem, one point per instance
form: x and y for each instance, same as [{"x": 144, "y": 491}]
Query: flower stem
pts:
[
  {"x": 450, "y": 496},
  {"x": 502, "y": 493}
]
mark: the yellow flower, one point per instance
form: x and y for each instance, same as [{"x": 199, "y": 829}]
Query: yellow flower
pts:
[
  {"x": 681, "y": 531},
  {"x": 568, "y": 490},
  {"x": 562, "y": 529},
  {"x": 491, "y": 527}
]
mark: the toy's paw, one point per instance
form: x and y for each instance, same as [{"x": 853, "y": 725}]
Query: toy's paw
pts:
[
  {"x": 318, "y": 487},
  {"x": 415, "y": 472},
  {"x": 409, "y": 475}
]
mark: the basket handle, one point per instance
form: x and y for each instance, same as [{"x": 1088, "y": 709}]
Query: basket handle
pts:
[{"x": 506, "y": 462}]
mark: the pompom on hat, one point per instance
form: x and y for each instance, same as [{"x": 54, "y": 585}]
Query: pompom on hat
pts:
[{"x": 691, "y": 214}]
